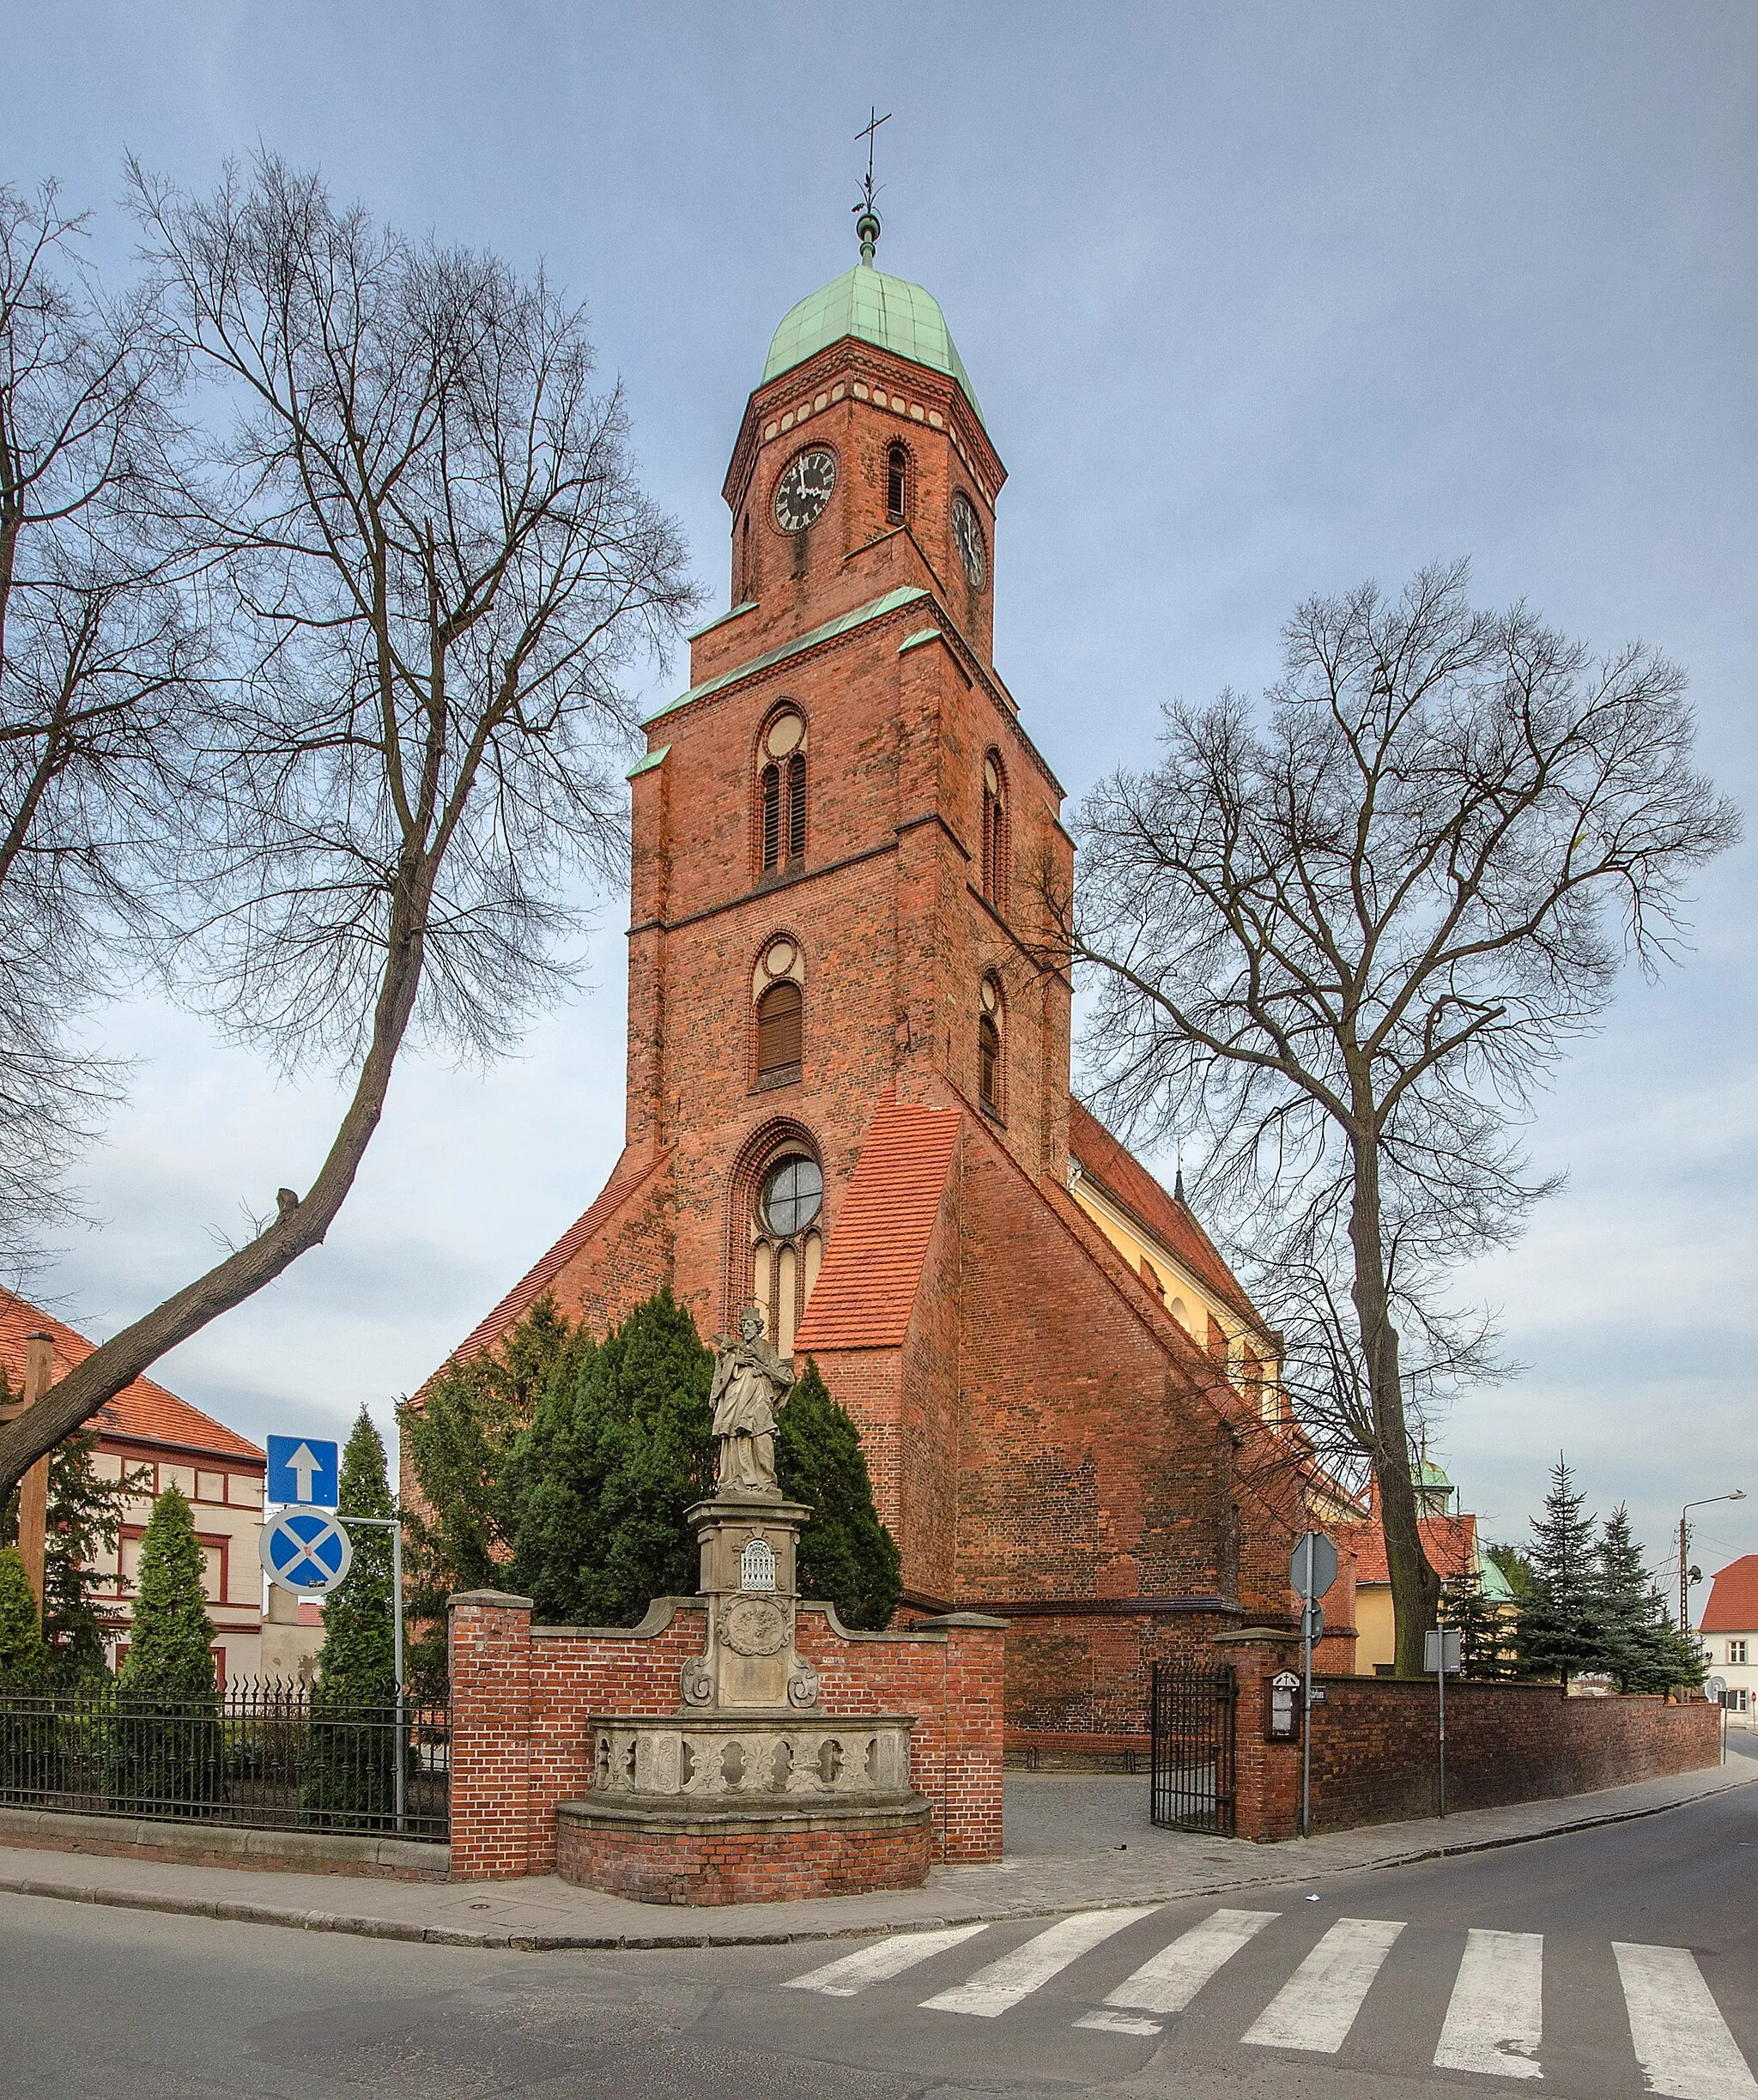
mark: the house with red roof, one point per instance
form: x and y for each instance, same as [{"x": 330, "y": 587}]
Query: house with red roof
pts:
[
  {"x": 156, "y": 1441},
  {"x": 848, "y": 1095},
  {"x": 1729, "y": 1633}
]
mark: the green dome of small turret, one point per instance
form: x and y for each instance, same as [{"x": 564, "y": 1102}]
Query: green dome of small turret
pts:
[{"x": 865, "y": 303}]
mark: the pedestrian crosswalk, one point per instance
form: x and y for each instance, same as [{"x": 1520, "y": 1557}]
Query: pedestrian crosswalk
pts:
[{"x": 1493, "y": 2024}]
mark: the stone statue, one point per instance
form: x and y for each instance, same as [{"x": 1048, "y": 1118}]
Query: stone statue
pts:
[{"x": 751, "y": 1381}]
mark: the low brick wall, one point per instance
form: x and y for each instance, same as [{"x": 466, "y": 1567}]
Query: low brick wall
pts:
[
  {"x": 195, "y": 1845},
  {"x": 734, "y": 1860},
  {"x": 523, "y": 1696},
  {"x": 1375, "y": 1757}
]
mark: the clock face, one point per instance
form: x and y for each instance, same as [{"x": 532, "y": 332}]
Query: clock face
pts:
[
  {"x": 969, "y": 535},
  {"x": 804, "y": 488}
]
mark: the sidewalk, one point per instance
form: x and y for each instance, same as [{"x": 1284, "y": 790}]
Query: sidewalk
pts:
[{"x": 1074, "y": 1844}]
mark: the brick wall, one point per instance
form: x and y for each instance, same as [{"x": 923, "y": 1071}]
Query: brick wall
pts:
[
  {"x": 1375, "y": 1753},
  {"x": 523, "y": 1696}
]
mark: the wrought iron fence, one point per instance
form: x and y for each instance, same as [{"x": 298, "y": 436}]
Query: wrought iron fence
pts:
[
  {"x": 1191, "y": 1732},
  {"x": 274, "y": 1755}
]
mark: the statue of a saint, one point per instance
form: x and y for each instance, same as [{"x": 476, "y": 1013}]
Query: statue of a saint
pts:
[{"x": 750, "y": 1383}]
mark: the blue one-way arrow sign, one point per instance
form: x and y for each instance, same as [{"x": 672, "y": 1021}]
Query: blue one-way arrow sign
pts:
[{"x": 303, "y": 1469}]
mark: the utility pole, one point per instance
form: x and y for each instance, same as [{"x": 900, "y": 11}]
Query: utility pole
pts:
[{"x": 1735, "y": 1494}]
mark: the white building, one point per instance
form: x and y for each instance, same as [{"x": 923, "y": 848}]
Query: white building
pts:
[{"x": 1730, "y": 1636}]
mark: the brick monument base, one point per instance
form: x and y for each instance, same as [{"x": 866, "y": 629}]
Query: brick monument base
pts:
[{"x": 741, "y": 1852}]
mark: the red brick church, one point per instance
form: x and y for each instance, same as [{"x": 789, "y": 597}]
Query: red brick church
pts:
[{"x": 848, "y": 1091}]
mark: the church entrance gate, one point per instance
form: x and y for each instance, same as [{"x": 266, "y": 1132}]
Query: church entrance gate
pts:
[{"x": 1191, "y": 1724}]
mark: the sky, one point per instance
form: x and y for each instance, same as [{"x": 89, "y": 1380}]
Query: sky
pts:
[{"x": 1261, "y": 301}]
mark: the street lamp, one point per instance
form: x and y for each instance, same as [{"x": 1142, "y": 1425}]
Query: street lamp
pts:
[{"x": 1737, "y": 1494}]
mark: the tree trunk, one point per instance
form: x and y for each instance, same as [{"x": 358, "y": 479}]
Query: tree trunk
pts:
[
  {"x": 118, "y": 1362},
  {"x": 1415, "y": 1587}
]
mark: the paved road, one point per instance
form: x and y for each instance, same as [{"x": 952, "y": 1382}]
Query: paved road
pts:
[{"x": 1561, "y": 1967}]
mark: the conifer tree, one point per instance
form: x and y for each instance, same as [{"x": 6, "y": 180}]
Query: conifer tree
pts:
[
  {"x": 458, "y": 1443},
  {"x": 166, "y": 1737},
  {"x": 351, "y": 1754},
  {"x": 620, "y": 1445},
  {"x": 1486, "y": 1651},
  {"x": 1634, "y": 1648},
  {"x": 1561, "y": 1632},
  {"x": 845, "y": 1554},
  {"x": 24, "y": 1654}
]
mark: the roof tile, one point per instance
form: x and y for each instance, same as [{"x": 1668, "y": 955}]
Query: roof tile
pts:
[
  {"x": 1733, "y": 1598},
  {"x": 873, "y": 1264},
  {"x": 143, "y": 1413}
]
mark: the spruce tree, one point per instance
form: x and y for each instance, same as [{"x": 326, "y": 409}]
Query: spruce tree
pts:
[
  {"x": 24, "y": 1654},
  {"x": 458, "y": 1444},
  {"x": 1635, "y": 1650},
  {"x": 1561, "y": 1632},
  {"x": 1485, "y": 1654},
  {"x": 166, "y": 1749},
  {"x": 847, "y": 1555},
  {"x": 621, "y": 1445},
  {"x": 350, "y": 1764}
]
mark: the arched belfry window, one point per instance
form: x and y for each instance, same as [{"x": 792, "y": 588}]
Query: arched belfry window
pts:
[
  {"x": 995, "y": 839},
  {"x": 777, "y": 996},
  {"x": 990, "y": 1022},
  {"x": 897, "y": 482},
  {"x": 786, "y": 1238},
  {"x": 781, "y": 793}
]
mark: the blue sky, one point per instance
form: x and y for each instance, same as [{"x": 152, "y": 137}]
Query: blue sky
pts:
[{"x": 1260, "y": 301}]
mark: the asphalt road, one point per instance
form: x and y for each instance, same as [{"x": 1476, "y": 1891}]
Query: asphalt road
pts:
[{"x": 1348, "y": 1997}]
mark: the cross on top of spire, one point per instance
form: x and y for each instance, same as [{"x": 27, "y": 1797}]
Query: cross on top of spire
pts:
[{"x": 867, "y": 222}]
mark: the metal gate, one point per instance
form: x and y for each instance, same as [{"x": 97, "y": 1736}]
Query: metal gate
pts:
[{"x": 1191, "y": 1726}]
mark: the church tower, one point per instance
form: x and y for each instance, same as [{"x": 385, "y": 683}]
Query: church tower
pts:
[{"x": 848, "y": 1082}]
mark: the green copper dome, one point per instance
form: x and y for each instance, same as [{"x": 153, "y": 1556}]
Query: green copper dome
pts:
[{"x": 897, "y": 315}]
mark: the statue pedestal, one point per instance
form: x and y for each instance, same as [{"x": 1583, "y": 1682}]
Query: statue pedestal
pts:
[{"x": 750, "y": 1793}]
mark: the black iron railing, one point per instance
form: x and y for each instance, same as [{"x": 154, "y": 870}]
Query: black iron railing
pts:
[
  {"x": 1191, "y": 1725},
  {"x": 278, "y": 1756}
]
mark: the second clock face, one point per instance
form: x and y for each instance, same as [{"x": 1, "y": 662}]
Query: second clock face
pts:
[
  {"x": 804, "y": 488},
  {"x": 968, "y": 533}
]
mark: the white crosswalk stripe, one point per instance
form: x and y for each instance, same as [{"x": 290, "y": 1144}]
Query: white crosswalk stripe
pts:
[
  {"x": 992, "y": 1990},
  {"x": 1317, "y": 2006},
  {"x": 1493, "y": 2024},
  {"x": 1495, "y": 2016},
  {"x": 1681, "y": 2040},
  {"x": 851, "y": 1974},
  {"x": 1167, "y": 1981}
]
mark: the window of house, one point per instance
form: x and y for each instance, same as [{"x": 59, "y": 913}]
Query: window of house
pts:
[
  {"x": 989, "y": 1048},
  {"x": 782, "y": 794},
  {"x": 1737, "y": 1651},
  {"x": 780, "y": 1011},
  {"x": 897, "y": 483},
  {"x": 994, "y": 863}
]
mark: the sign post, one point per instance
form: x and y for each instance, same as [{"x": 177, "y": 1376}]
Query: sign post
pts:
[
  {"x": 1441, "y": 1653},
  {"x": 307, "y": 1550},
  {"x": 1311, "y": 1569}
]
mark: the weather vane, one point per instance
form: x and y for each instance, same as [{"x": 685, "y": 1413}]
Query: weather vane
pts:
[{"x": 867, "y": 223}]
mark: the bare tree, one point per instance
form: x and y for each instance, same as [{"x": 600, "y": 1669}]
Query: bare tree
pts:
[
  {"x": 1342, "y": 943},
  {"x": 441, "y": 563},
  {"x": 100, "y": 661}
]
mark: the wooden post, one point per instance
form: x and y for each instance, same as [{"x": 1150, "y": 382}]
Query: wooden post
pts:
[{"x": 34, "y": 1489}]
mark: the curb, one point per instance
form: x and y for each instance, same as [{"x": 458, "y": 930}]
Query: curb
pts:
[{"x": 291, "y": 1918}]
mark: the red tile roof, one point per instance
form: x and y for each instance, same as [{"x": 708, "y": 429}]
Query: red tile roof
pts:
[
  {"x": 1733, "y": 1598},
  {"x": 626, "y": 1177},
  {"x": 143, "y": 1413},
  {"x": 1172, "y": 1222},
  {"x": 872, "y": 1270},
  {"x": 1449, "y": 1542}
]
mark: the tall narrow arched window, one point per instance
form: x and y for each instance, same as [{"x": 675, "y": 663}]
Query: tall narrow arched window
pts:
[
  {"x": 988, "y": 1069},
  {"x": 995, "y": 842},
  {"x": 897, "y": 483},
  {"x": 786, "y": 1238},
  {"x": 780, "y": 1014},
  {"x": 781, "y": 798}
]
